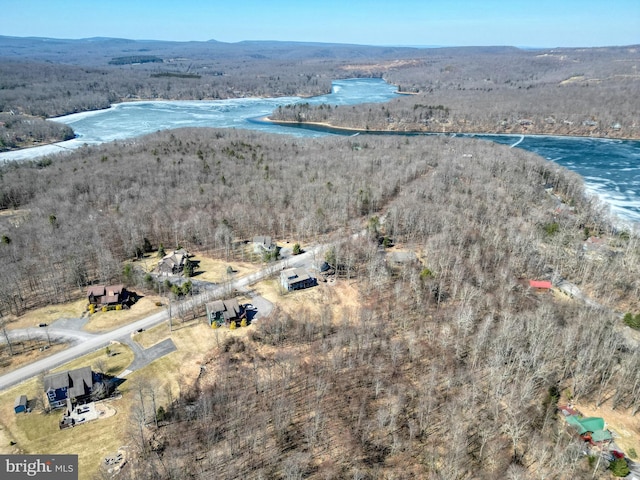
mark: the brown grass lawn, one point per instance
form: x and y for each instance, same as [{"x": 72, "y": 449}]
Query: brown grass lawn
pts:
[
  {"x": 119, "y": 359},
  {"x": 620, "y": 421},
  {"x": 148, "y": 262},
  {"x": 193, "y": 339},
  {"x": 26, "y": 352},
  {"x": 212, "y": 270},
  {"x": 48, "y": 314},
  {"x": 342, "y": 297},
  {"x": 38, "y": 432},
  {"x": 92, "y": 442},
  {"x": 105, "y": 321},
  {"x": 170, "y": 375},
  {"x": 154, "y": 335}
]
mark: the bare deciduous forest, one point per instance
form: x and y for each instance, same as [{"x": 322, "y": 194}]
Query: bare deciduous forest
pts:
[
  {"x": 21, "y": 130},
  {"x": 446, "y": 369},
  {"x": 583, "y": 92},
  {"x": 490, "y": 90},
  {"x": 450, "y": 367}
]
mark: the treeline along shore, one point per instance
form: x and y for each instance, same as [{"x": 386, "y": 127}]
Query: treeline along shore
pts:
[{"x": 585, "y": 92}]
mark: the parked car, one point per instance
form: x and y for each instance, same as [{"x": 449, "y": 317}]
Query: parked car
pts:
[{"x": 43, "y": 324}]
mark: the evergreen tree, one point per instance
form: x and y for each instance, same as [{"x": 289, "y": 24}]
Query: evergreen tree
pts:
[
  {"x": 188, "y": 268},
  {"x": 619, "y": 467}
]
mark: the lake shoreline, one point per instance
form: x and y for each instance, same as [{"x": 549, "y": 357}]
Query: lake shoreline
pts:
[{"x": 329, "y": 128}]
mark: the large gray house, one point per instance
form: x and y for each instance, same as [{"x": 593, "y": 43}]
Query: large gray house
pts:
[
  {"x": 74, "y": 385},
  {"x": 296, "y": 279},
  {"x": 223, "y": 311}
]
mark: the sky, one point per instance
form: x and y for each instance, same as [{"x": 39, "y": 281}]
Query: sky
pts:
[{"x": 530, "y": 23}]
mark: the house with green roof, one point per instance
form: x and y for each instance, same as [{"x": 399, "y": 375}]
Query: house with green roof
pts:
[{"x": 591, "y": 428}]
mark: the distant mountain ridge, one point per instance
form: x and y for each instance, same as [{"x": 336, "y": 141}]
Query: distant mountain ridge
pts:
[{"x": 100, "y": 50}]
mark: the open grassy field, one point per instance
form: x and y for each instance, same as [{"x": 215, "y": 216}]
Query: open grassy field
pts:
[
  {"x": 48, "y": 314},
  {"x": 212, "y": 270},
  {"x": 105, "y": 321},
  {"x": 341, "y": 297}
]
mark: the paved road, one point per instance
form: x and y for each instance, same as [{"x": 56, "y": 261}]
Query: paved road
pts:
[
  {"x": 53, "y": 332},
  {"x": 87, "y": 345},
  {"x": 92, "y": 342},
  {"x": 144, "y": 356}
]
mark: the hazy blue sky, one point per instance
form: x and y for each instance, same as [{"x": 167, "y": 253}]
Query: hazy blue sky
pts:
[{"x": 538, "y": 23}]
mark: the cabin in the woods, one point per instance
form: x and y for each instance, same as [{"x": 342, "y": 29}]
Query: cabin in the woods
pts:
[
  {"x": 540, "y": 285},
  {"x": 591, "y": 429}
]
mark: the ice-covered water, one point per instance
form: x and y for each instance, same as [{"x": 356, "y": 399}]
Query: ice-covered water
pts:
[
  {"x": 132, "y": 119},
  {"x": 611, "y": 168}
]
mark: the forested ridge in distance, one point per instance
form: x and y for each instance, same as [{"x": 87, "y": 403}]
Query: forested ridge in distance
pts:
[{"x": 444, "y": 367}]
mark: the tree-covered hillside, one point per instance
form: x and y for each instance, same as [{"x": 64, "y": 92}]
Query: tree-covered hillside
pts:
[{"x": 448, "y": 367}]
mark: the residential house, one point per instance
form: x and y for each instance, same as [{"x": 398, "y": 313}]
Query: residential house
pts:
[
  {"x": 591, "y": 429},
  {"x": 100, "y": 295},
  {"x": 296, "y": 279},
  {"x": 173, "y": 263},
  {"x": 263, "y": 244},
  {"x": 594, "y": 243},
  {"x": 540, "y": 285},
  {"x": 21, "y": 404},
  {"x": 223, "y": 311},
  {"x": 71, "y": 385}
]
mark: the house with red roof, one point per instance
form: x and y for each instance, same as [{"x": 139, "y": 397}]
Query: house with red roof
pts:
[{"x": 540, "y": 285}]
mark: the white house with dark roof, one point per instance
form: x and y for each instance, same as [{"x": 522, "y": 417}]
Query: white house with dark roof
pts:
[{"x": 263, "y": 244}]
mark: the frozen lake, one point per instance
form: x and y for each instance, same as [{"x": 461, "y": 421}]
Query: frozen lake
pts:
[{"x": 611, "y": 168}]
